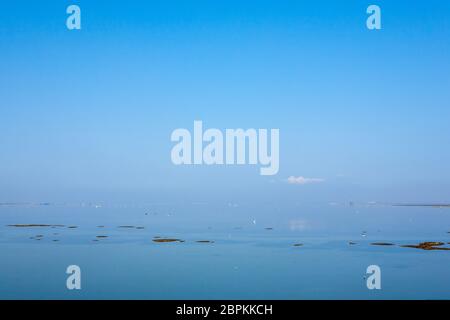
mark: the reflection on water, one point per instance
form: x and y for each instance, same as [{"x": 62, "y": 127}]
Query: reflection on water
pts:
[{"x": 209, "y": 251}]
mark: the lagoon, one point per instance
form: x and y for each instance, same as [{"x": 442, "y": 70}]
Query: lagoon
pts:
[{"x": 231, "y": 255}]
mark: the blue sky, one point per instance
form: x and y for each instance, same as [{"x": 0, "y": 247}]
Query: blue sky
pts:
[{"x": 87, "y": 115}]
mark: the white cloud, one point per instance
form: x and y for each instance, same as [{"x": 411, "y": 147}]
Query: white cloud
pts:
[{"x": 303, "y": 180}]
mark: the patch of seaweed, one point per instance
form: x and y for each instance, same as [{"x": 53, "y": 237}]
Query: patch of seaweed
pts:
[
  {"x": 34, "y": 225},
  {"x": 161, "y": 240},
  {"x": 382, "y": 244},
  {"x": 427, "y": 246},
  {"x": 131, "y": 227}
]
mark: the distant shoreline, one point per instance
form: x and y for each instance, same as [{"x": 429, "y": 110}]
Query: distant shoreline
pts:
[{"x": 437, "y": 205}]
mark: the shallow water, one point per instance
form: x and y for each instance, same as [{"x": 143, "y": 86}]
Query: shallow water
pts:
[{"x": 252, "y": 255}]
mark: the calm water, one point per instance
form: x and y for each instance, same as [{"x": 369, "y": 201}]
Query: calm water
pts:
[{"x": 252, "y": 255}]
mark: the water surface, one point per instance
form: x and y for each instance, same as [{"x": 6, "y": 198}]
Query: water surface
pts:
[{"x": 229, "y": 251}]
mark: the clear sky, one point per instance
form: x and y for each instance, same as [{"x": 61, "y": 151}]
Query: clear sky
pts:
[{"x": 87, "y": 115}]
